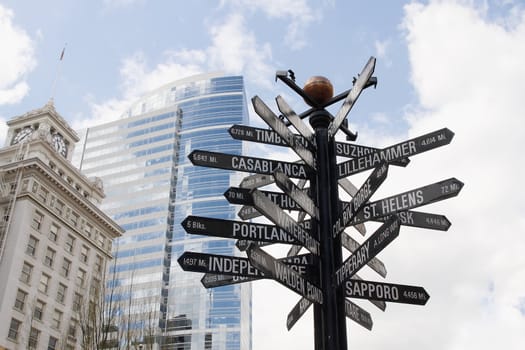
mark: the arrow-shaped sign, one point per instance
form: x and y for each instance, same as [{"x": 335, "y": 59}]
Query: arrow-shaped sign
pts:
[
  {"x": 243, "y": 244},
  {"x": 294, "y": 249},
  {"x": 247, "y": 164},
  {"x": 411, "y": 199},
  {"x": 301, "y": 263},
  {"x": 280, "y": 128},
  {"x": 297, "y": 194},
  {"x": 266, "y": 136},
  {"x": 248, "y": 212},
  {"x": 278, "y": 271},
  {"x": 352, "y": 311},
  {"x": 218, "y": 264},
  {"x": 422, "y": 220},
  {"x": 381, "y": 305},
  {"x": 358, "y": 315},
  {"x": 352, "y": 191},
  {"x": 369, "y": 249},
  {"x": 211, "y": 280},
  {"x": 366, "y": 191},
  {"x": 237, "y": 195},
  {"x": 396, "y": 293},
  {"x": 236, "y": 229},
  {"x": 276, "y": 215},
  {"x": 396, "y": 152},
  {"x": 374, "y": 263},
  {"x": 351, "y": 150},
  {"x": 297, "y": 312},
  {"x": 256, "y": 181},
  {"x": 294, "y": 119},
  {"x": 354, "y": 93}
]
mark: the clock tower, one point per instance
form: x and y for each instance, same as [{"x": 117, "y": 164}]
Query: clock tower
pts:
[{"x": 46, "y": 124}]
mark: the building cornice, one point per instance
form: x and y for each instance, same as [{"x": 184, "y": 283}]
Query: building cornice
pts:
[{"x": 37, "y": 165}]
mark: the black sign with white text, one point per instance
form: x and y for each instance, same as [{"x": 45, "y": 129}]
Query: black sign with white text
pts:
[
  {"x": 280, "y": 128},
  {"x": 276, "y": 215},
  {"x": 354, "y": 93},
  {"x": 236, "y": 229},
  {"x": 218, "y": 264},
  {"x": 411, "y": 199},
  {"x": 302, "y": 264},
  {"x": 358, "y": 315},
  {"x": 374, "y": 263},
  {"x": 396, "y": 152},
  {"x": 247, "y": 164},
  {"x": 237, "y": 195},
  {"x": 361, "y": 197},
  {"x": 294, "y": 119},
  {"x": 369, "y": 249},
  {"x": 297, "y": 194},
  {"x": 395, "y": 293},
  {"x": 421, "y": 220},
  {"x": 284, "y": 275}
]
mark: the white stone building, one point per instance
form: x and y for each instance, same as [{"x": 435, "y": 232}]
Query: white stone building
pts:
[{"x": 55, "y": 242}]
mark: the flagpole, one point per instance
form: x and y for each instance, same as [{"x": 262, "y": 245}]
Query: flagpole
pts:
[{"x": 57, "y": 72}]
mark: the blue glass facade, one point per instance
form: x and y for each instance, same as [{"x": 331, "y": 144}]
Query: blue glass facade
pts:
[{"x": 151, "y": 187}]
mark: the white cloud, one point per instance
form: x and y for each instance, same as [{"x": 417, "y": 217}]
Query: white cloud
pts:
[
  {"x": 297, "y": 12},
  {"x": 233, "y": 50},
  {"x": 382, "y": 48},
  {"x": 467, "y": 73},
  {"x": 16, "y": 61}
]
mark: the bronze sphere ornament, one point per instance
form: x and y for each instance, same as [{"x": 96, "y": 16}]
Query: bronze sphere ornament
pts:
[{"x": 319, "y": 89}]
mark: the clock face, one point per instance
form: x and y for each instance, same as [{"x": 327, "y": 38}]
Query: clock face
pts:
[
  {"x": 22, "y": 135},
  {"x": 59, "y": 144}
]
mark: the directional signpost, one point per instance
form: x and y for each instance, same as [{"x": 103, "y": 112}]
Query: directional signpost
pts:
[{"x": 321, "y": 277}]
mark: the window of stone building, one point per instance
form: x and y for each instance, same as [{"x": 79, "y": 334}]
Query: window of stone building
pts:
[
  {"x": 72, "y": 329},
  {"x": 14, "y": 327},
  {"x": 84, "y": 254},
  {"x": 69, "y": 244},
  {"x": 32, "y": 244},
  {"x": 38, "y": 310},
  {"x": 25, "y": 275},
  {"x": 53, "y": 232},
  {"x": 66, "y": 267},
  {"x": 61, "y": 293},
  {"x": 52, "y": 344},
  {"x": 20, "y": 300},
  {"x": 43, "y": 285},
  {"x": 81, "y": 277},
  {"x": 56, "y": 319},
  {"x": 49, "y": 258},
  {"x": 34, "y": 334},
  {"x": 77, "y": 302},
  {"x": 38, "y": 218}
]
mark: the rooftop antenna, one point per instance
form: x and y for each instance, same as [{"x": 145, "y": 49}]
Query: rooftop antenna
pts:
[{"x": 57, "y": 73}]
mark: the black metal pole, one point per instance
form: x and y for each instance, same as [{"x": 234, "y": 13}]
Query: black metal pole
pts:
[{"x": 330, "y": 323}]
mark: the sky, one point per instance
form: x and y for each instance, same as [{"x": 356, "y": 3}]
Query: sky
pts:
[{"x": 454, "y": 64}]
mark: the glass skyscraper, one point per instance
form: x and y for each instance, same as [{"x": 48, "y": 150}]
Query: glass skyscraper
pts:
[{"x": 151, "y": 187}]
